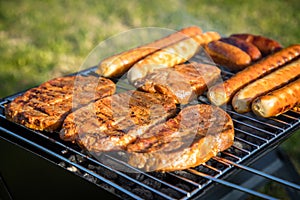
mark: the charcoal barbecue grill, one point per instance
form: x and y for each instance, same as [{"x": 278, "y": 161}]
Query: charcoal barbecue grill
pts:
[{"x": 38, "y": 165}]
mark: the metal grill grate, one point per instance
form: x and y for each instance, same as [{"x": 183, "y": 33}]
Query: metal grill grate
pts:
[{"x": 253, "y": 136}]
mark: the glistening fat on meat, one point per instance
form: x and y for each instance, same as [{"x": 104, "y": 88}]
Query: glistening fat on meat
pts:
[
  {"x": 46, "y": 106},
  {"x": 183, "y": 82},
  {"x": 195, "y": 135},
  {"x": 112, "y": 123}
]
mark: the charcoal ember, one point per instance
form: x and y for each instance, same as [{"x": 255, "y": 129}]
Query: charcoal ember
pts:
[
  {"x": 183, "y": 186},
  {"x": 122, "y": 195},
  {"x": 62, "y": 164},
  {"x": 202, "y": 181},
  {"x": 213, "y": 163},
  {"x": 72, "y": 158},
  {"x": 80, "y": 159},
  {"x": 204, "y": 169},
  {"x": 107, "y": 187},
  {"x": 209, "y": 162},
  {"x": 171, "y": 192},
  {"x": 158, "y": 175},
  {"x": 152, "y": 183},
  {"x": 73, "y": 169},
  {"x": 123, "y": 181},
  {"x": 238, "y": 144},
  {"x": 220, "y": 166},
  {"x": 91, "y": 167},
  {"x": 237, "y": 152},
  {"x": 65, "y": 151},
  {"x": 89, "y": 177},
  {"x": 106, "y": 173},
  {"x": 137, "y": 176},
  {"x": 146, "y": 194}
]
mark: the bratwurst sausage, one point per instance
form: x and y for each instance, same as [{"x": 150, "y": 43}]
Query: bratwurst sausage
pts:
[
  {"x": 222, "y": 93},
  {"x": 242, "y": 100},
  {"x": 265, "y": 45},
  {"x": 206, "y": 37},
  {"x": 247, "y": 47},
  {"x": 227, "y": 55},
  {"x": 278, "y": 101},
  {"x": 170, "y": 56},
  {"x": 117, "y": 65}
]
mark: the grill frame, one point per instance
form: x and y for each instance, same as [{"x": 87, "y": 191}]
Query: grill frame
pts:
[{"x": 38, "y": 143}]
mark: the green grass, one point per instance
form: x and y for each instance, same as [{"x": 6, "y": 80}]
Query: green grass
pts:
[
  {"x": 40, "y": 40},
  {"x": 44, "y": 39}
]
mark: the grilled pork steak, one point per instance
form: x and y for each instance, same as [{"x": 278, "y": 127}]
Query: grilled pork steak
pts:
[
  {"x": 183, "y": 82},
  {"x": 46, "y": 106},
  {"x": 113, "y": 122},
  {"x": 195, "y": 135}
]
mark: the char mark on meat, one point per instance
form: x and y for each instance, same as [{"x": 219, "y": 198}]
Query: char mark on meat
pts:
[
  {"x": 46, "y": 106},
  {"x": 195, "y": 135},
  {"x": 113, "y": 122}
]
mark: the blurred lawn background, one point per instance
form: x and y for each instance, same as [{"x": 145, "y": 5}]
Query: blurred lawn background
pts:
[{"x": 40, "y": 40}]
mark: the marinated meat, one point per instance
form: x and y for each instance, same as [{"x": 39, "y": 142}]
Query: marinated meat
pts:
[
  {"x": 195, "y": 135},
  {"x": 113, "y": 122},
  {"x": 183, "y": 82},
  {"x": 46, "y": 106}
]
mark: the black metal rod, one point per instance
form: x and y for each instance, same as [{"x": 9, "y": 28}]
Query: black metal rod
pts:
[
  {"x": 254, "y": 119},
  {"x": 69, "y": 162},
  {"x": 232, "y": 185},
  {"x": 260, "y": 173}
]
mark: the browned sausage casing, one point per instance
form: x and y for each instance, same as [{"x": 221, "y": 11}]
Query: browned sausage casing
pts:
[
  {"x": 167, "y": 57},
  {"x": 265, "y": 45},
  {"x": 117, "y": 65},
  {"x": 206, "y": 37},
  {"x": 278, "y": 101},
  {"x": 242, "y": 100},
  {"x": 170, "y": 56},
  {"x": 222, "y": 93},
  {"x": 247, "y": 47},
  {"x": 228, "y": 55}
]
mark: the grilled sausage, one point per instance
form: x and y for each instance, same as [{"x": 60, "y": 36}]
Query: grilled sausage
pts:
[
  {"x": 170, "y": 56},
  {"x": 167, "y": 57},
  {"x": 278, "y": 101},
  {"x": 207, "y": 37},
  {"x": 228, "y": 55},
  {"x": 265, "y": 45},
  {"x": 222, "y": 93},
  {"x": 247, "y": 47},
  {"x": 117, "y": 65},
  {"x": 242, "y": 100}
]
